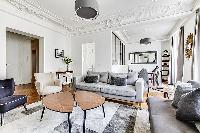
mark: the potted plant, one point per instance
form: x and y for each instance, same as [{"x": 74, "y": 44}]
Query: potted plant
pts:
[{"x": 67, "y": 61}]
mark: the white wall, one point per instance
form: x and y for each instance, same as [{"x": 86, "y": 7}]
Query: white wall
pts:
[
  {"x": 154, "y": 46},
  {"x": 54, "y": 36},
  {"x": 188, "y": 28},
  {"x": 103, "y": 51},
  {"x": 18, "y": 58}
]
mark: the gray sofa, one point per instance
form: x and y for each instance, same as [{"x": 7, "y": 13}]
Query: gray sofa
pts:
[
  {"x": 162, "y": 118},
  {"x": 128, "y": 93}
]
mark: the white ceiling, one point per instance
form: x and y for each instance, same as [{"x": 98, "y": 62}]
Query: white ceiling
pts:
[{"x": 133, "y": 19}]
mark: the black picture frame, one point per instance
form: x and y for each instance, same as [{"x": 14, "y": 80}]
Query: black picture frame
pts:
[{"x": 59, "y": 53}]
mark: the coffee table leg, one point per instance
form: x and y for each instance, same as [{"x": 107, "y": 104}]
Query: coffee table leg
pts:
[
  {"x": 42, "y": 113},
  {"x": 70, "y": 126},
  {"x": 103, "y": 110},
  {"x": 84, "y": 117}
]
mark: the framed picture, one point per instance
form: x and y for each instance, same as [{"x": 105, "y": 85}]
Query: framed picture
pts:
[{"x": 59, "y": 53}]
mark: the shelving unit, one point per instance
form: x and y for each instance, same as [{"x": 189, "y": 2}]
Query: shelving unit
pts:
[{"x": 165, "y": 66}]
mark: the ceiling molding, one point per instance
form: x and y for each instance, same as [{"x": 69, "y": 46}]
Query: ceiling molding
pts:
[
  {"x": 119, "y": 19},
  {"x": 136, "y": 15},
  {"x": 34, "y": 9}
]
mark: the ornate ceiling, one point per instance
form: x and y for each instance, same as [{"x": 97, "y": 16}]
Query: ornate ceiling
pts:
[{"x": 120, "y": 15}]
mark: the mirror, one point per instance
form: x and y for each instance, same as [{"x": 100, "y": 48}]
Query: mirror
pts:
[{"x": 148, "y": 57}]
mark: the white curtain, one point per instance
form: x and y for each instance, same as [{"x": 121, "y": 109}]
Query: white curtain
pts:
[
  {"x": 180, "y": 57},
  {"x": 196, "y": 49},
  {"x": 174, "y": 51}
]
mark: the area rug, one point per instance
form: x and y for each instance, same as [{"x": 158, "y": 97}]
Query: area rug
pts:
[{"x": 119, "y": 119}]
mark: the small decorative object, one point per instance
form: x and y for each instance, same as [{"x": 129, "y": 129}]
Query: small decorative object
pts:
[
  {"x": 59, "y": 53},
  {"x": 67, "y": 61},
  {"x": 189, "y": 45}
]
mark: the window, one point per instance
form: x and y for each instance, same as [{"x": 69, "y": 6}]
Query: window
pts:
[{"x": 118, "y": 51}]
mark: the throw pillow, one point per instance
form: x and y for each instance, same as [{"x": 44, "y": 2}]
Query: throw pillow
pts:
[
  {"x": 93, "y": 73},
  {"x": 144, "y": 74},
  {"x": 118, "y": 81},
  {"x": 120, "y": 75},
  {"x": 195, "y": 84},
  {"x": 103, "y": 75},
  {"x": 189, "y": 107},
  {"x": 131, "y": 78},
  {"x": 91, "y": 79},
  {"x": 180, "y": 90},
  {"x": 112, "y": 80},
  {"x": 121, "y": 81}
]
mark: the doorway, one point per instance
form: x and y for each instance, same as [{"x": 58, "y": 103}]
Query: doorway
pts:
[
  {"x": 88, "y": 57},
  {"x": 22, "y": 57},
  {"x": 35, "y": 58}
]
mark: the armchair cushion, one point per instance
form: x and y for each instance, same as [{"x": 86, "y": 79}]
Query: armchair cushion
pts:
[
  {"x": 6, "y": 87},
  {"x": 11, "y": 102},
  {"x": 58, "y": 82},
  {"x": 47, "y": 83},
  {"x": 50, "y": 89}
]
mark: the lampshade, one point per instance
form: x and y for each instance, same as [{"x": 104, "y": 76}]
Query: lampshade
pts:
[{"x": 87, "y": 9}]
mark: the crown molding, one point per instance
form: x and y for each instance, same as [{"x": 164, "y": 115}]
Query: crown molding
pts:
[
  {"x": 120, "y": 19},
  {"x": 34, "y": 9},
  {"x": 137, "y": 15}
]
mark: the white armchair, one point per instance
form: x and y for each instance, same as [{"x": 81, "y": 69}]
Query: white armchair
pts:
[{"x": 47, "y": 83}]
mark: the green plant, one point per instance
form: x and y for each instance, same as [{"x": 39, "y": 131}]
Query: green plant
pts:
[{"x": 67, "y": 60}]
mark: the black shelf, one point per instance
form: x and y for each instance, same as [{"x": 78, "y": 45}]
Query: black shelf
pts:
[
  {"x": 165, "y": 60},
  {"x": 166, "y": 56}
]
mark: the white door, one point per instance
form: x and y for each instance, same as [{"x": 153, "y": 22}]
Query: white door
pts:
[{"x": 88, "y": 57}]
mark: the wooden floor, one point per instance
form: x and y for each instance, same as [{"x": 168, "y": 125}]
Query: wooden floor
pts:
[{"x": 30, "y": 91}]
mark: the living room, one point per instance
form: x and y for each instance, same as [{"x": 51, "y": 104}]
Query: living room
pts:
[{"x": 100, "y": 66}]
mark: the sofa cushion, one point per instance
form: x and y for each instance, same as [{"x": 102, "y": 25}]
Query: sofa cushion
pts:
[
  {"x": 132, "y": 78},
  {"x": 120, "y": 75},
  {"x": 189, "y": 107},
  {"x": 180, "y": 90},
  {"x": 127, "y": 91},
  {"x": 118, "y": 81},
  {"x": 103, "y": 76},
  {"x": 144, "y": 74},
  {"x": 91, "y": 79},
  {"x": 89, "y": 86}
]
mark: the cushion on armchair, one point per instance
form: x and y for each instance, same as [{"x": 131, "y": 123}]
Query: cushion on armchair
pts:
[
  {"x": 11, "y": 102},
  {"x": 6, "y": 87},
  {"x": 189, "y": 107},
  {"x": 180, "y": 90}
]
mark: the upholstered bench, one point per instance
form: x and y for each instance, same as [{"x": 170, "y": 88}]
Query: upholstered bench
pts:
[{"x": 8, "y": 101}]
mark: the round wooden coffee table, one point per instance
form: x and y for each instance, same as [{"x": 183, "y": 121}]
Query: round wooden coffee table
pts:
[
  {"x": 60, "y": 102},
  {"x": 87, "y": 101}
]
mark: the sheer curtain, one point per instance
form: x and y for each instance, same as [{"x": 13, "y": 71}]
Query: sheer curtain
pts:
[
  {"x": 180, "y": 57},
  {"x": 174, "y": 57},
  {"x": 196, "y": 49}
]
